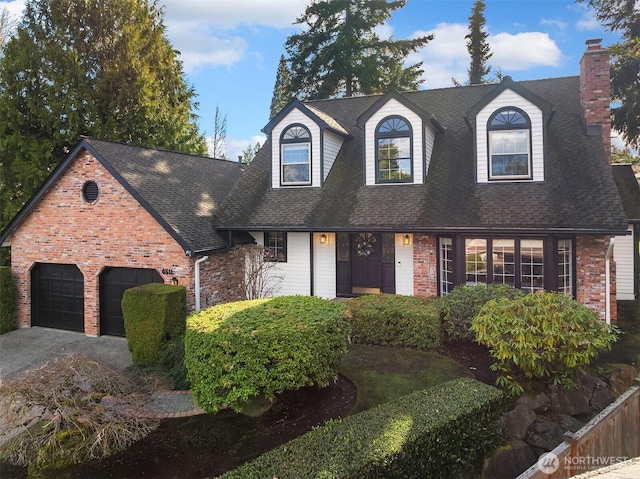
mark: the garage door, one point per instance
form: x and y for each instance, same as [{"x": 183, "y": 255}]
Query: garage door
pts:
[
  {"x": 113, "y": 283},
  {"x": 57, "y": 296}
]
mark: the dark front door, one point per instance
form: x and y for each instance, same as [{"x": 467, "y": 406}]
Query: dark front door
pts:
[
  {"x": 113, "y": 283},
  {"x": 365, "y": 263},
  {"x": 57, "y": 296}
]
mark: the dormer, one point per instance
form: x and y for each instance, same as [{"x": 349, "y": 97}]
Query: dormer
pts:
[
  {"x": 304, "y": 144},
  {"x": 509, "y": 126},
  {"x": 398, "y": 141}
]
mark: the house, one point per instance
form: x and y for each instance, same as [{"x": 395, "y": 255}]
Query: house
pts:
[
  {"x": 410, "y": 193},
  {"x": 627, "y": 248},
  {"x": 114, "y": 216},
  {"x": 415, "y": 193}
]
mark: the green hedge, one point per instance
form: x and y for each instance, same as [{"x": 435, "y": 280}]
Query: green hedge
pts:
[
  {"x": 7, "y": 301},
  {"x": 463, "y": 303},
  {"x": 151, "y": 312},
  {"x": 259, "y": 348},
  {"x": 395, "y": 320},
  {"x": 436, "y": 432}
]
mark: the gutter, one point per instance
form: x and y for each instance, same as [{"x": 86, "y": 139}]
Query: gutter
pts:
[
  {"x": 197, "y": 280},
  {"x": 607, "y": 280}
]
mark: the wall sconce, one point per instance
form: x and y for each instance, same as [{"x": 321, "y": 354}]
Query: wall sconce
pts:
[
  {"x": 174, "y": 281},
  {"x": 406, "y": 240},
  {"x": 323, "y": 238}
]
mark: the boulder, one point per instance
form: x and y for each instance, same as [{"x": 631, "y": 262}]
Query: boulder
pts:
[
  {"x": 538, "y": 404},
  {"x": 570, "y": 423},
  {"x": 517, "y": 421},
  {"x": 601, "y": 399},
  {"x": 546, "y": 435},
  {"x": 620, "y": 377},
  {"x": 508, "y": 461},
  {"x": 572, "y": 402}
]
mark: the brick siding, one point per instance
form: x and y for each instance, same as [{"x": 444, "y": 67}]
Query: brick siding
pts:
[
  {"x": 115, "y": 231},
  {"x": 425, "y": 276},
  {"x": 590, "y": 274}
]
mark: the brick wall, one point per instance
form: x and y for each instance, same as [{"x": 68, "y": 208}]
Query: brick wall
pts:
[
  {"x": 425, "y": 276},
  {"x": 115, "y": 231},
  {"x": 221, "y": 278},
  {"x": 590, "y": 274},
  {"x": 595, "y": 90}
]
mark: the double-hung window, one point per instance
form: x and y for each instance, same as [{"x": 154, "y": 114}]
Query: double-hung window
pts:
[
  {"x": 394, "y": 162},
  {"x": 295, "y": 163},
  {"x": 275, "y": 246},
  {"x": 509, "y": 145}
]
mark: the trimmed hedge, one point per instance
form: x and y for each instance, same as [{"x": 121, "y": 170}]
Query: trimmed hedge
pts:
[
  {"x": 395, "y": 320},
  {"x": 7, "y": 301},
  {"x": 151, "y": 312},
  {"x": 436, "y": 432},
  {"x": 464, "y": 303},
  {"x": 259, "y": 348}
]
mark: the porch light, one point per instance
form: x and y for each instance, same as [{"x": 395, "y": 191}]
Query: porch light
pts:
[
  {"x": 174, "y": 281},
  {"x": 406, "y": 240},
  {"x": 323, "y": 238}
]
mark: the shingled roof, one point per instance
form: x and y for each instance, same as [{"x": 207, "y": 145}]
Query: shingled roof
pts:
[
  {"x": 578, "y": 195},
  {"x": 182, "y": 192},
  {"x": 629, "y": 190}
]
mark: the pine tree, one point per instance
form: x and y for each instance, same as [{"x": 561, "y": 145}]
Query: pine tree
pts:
[
  {"x": 477, "y": 45},
  {"x": 281, "y": 89},
  {"x": 340, "y": 54},
  {"x": 624, "y": 16},
  {"x": 102, "y": 68}
]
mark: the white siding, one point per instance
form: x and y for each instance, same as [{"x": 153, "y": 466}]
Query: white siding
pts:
[
  {"x": 404, "y": 266},
  {"x": 324, "y": 266},
  {"x": 295, "y": 116},
  {"x": 332, "y": 145},
  {"x": 292, "y": 277},
  {"x": 429, "y": 140},
  {"x": 510, "y": 98},
  {"x": 393, "y": 107},
  {"x": 623, "y": 256}
]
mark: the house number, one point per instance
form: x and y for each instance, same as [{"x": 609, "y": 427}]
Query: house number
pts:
[{"x": 167, "y": 271}]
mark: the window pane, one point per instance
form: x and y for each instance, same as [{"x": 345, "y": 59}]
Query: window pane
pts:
[
  {"x": 295, "y": 153},
  {"x": 509, "y": 165},
  {"x": 476, "y": 261},
  {"x": 388, "y": 247},
  {"x": 503, "y": 255},
  {"x": 295, "y": 173},
  {"x": 565, "y": 267},
  {"x": 446, "y": 265},
  {"x": 343, "y": 246},
  {"x": 510, "y": 153},
  {"x": 275, "y": 246},
  {"x": 532, "y": 265}
]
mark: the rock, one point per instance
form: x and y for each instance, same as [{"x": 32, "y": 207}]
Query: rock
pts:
[
  {"x": 538, "y": 404},
  {"x": 620, "y": 377},
  {"x": 517, "y": 422},
  {"x": 572, "y": 402},
  {"x": 508, "y": 461},
  {"x": 546, "y": 435},
  {"x": 570, "y": 423},
  {"x": 601, "y": 399}
]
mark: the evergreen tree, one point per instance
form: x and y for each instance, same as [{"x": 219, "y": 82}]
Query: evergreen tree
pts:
[
  {"x": 282, "y": 88},
  {"x": 249, "y": 153},
  {"x": 102, "y": 68},
  {"x": 477, "y": 45},
  {"x": 218, "y": 142},
  {"x": 339, "y": 53},
  {"x": 623, "y": 16}
]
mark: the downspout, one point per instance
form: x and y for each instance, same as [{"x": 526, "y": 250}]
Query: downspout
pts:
[
  {"x": 607, "y": 280},
  {"x": 197, "y": 281}
]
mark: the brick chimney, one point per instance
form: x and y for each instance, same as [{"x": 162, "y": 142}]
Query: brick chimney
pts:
[{"x": 595, "y": 91}]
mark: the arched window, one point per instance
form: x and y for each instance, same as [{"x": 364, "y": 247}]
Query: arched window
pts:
[
  {"x": 394, "y": 151},
  {"x": 295, "y": 156},
  {"x": 509, "y": 145}
]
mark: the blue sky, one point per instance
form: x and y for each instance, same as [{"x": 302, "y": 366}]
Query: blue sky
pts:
[{"x": 230, "y": 48}]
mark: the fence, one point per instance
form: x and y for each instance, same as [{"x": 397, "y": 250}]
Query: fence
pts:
[{"x": 610, "y": 437}]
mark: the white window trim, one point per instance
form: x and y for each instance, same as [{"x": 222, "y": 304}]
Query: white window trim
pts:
[
  {"x": 528, "y": 176},
  {"x": 283, "y": 164}
]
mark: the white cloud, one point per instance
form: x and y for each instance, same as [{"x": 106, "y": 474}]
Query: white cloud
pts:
[
  {"x": 236, "y": 147},
  {"x": 523, "y": 51},
  {"x": 14, "y": 8},
  {"x": 587, "y": 20},
  {"x": 554, "y": 23}
]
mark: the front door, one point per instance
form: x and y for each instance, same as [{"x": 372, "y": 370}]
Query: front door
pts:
[{"x": 365, "y": 263}]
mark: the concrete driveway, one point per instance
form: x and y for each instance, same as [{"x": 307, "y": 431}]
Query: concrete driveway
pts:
[{"x": 29, "y": 348}]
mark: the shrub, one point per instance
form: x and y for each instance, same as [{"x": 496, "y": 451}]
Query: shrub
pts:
[
  {"x": 7, "y": 301},
  {"x": 463, "y": 303},
  {"x": 435, "y": 432},
  {"x": 151, "y": 311},
  {"x": 172, "y": 360},
  {"x": 259, "y": 348},
  {"x": 395, "y": 320},
  {"x": 541, "y": 335}
]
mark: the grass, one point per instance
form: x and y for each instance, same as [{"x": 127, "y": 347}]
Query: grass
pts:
[{"x": 381, "y": 374}]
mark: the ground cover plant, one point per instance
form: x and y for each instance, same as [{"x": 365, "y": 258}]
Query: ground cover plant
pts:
[
  {"x": 543, "y": 335},
  {"x": 7, "y": 301},
  {"x": 69, "y": 411},
  {"x": 236, "y": 352}
]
